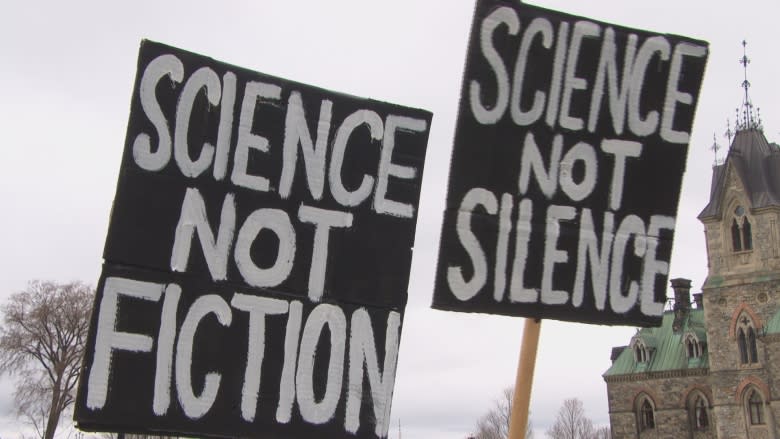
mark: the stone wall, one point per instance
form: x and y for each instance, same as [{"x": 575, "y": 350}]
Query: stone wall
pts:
[
  {"x": 757, "y": 296},
  {"x": 725, "y": 381},
  {"x": 668, "y": 393},
  {"x": 765, "y": 239},
  {"x": 771, "y": 348},
  {"x": 720, "y": 305}
]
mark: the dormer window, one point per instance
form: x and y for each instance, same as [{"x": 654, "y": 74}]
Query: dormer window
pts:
[
  {"x": 692, "y": 347},
  {"x": 641, "y": 354},
  {"x": 741, "y": 231}
]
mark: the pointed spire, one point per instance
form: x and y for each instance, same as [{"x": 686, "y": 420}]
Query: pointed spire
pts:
[
  {"x": 747, "y": 119},
  {"x": 745, "y": 61}
]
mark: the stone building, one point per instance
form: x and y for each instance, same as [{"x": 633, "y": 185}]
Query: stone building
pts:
[{"x": 713, "y": 370}]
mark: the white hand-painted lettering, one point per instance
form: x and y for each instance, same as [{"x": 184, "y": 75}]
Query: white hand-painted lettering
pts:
[
  {"x": 350, "y": 358},
  {"x": 623, "y": 84}
]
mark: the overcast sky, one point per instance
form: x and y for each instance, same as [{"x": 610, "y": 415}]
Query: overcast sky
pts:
[{"x": 65, "y": 84}]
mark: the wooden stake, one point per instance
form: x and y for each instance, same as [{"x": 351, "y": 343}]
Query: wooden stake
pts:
[{"x": 521, "y": 400}]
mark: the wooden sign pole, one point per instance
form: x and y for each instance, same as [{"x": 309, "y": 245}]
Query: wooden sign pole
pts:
[{"x": 521, "y": 400}]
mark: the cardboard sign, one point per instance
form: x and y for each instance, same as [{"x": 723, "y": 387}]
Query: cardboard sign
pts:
[
  {"x": 569, "y": 152},
  {"x": 257, "y": 260}
]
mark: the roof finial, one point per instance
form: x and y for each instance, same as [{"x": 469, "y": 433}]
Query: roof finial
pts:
[
  {"x": 715, "y": 147},
  {"x": 746, "y": 120},
  {"x": 728, "y": 132},
  {"x": 745, "y": 61}
]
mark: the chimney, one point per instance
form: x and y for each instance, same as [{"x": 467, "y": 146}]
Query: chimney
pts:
[
  {"x": 682, "y": 296},
  {"x": 699, "y": 300},
  {"x": 682, "y": 302}
]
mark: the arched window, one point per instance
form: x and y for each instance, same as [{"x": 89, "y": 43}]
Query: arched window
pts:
[
  {"x": 746, "y": 341},
  {"x": 736, "y": 238},
  {"x": 741, "y": 231},
  {"x": 646, "y": 415},
  {"x": 747, "y": 235},
  {"x": 742, "y": 343},
  {"x": 751, "y": 344},
  {"x": 755, "y": 407},
  {"x": 701, "y": 419}
]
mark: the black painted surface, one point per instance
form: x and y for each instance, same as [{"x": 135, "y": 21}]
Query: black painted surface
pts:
[
  {"x": 489, "y": 156},
  {"x": 367, "y": 265}
]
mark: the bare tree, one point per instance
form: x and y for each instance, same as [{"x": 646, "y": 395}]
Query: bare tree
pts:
[
  {"x": 571, "y": 422},
  {"x": 603, "y": 433},
  {"x": 41, "y": 343},
  {"x": 494, "y": 424}
]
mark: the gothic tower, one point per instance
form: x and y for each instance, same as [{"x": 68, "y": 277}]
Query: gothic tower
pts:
[{"x": 742, "y": 289}]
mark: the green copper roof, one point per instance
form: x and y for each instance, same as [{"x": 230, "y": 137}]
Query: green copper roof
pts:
[
  {"x": 667, "y": 347},
  {"x": 773, "y": 325}
]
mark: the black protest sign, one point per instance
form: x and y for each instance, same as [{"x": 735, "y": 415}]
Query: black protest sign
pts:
[
  {"x": 257, "y": 259},
  {"x": 569, "y": 152}
]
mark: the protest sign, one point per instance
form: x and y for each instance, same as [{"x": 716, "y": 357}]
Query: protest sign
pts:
[
  {"x": 568, "y": 158},
  {"x": 257, "y": 259}
]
